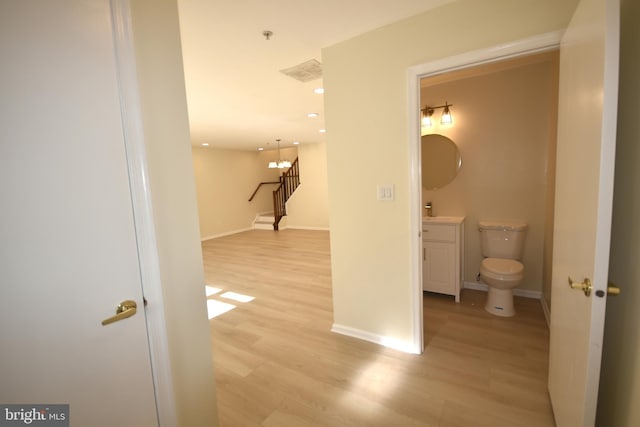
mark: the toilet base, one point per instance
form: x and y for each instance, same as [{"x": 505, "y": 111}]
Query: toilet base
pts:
[{"x": 500, "y": 302}]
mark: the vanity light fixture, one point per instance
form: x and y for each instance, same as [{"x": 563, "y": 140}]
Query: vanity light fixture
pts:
[
  {"x": 427, "y": 112},
  {"x": 446, "y": 118},
  {"x": 280, "y": 164},
  {"x": 426, "y": 117}
]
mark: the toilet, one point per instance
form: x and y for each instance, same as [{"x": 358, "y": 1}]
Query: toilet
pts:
[{"x": 502, "y": 247}]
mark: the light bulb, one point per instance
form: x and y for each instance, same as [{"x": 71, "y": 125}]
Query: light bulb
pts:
[
  {"x": 446, "y": 116},
  {"x": 426, "y": 117}
]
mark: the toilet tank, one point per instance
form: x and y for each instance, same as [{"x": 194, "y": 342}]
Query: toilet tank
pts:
[{"x": 502, "y": 239}]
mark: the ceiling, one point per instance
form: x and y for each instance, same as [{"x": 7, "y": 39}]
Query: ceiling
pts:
[{"x": 237, "y": 96}]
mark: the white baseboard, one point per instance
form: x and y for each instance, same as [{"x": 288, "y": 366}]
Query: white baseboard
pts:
[
  {"x": 546, "y": 310},
  {"x": 270, "y": 227},
  {"x": 228, "y": 233},
  {"x": 406, "y": 347},
  {"x": 263, "y": 226},
  {"x": 479, "y": 286},
  {"x": 301, "y": 227}
]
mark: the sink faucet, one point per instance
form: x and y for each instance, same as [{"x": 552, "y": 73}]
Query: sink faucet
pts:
[{"x": 428, "y": 207}]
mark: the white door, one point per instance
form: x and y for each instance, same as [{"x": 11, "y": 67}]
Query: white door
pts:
[
  {"x": 68, "y": 252},
  {"x": 584, "y": 192}
]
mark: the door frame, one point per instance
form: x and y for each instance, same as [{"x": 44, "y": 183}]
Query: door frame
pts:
[
  {"x": 137, "y": 165},
  {"x": 535, "y": 44}
]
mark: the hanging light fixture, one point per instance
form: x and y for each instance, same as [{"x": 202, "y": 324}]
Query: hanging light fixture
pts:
[
  {"x": 280, "y": 164},
  {"x": 427, "y": 112}
]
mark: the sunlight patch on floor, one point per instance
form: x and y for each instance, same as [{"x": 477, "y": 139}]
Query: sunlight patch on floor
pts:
[
  {"x": 379, "y": 378},
  {"x": 215, "y": 308},
  {"x": 237, "y": 297},
  {"x": 210, "y": 290}
]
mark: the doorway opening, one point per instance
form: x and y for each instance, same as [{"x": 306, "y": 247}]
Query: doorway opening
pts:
[{"x": 441, "y": 70}]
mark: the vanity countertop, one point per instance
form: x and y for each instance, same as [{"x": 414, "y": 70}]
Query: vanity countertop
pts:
[{"x": 442, "y": 219}]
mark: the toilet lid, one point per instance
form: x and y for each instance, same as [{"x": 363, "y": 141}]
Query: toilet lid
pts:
[{"x": 502, "y": 266}]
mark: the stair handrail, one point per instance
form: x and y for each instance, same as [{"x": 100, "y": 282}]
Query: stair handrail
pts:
[{"x": 260, "y": 185}]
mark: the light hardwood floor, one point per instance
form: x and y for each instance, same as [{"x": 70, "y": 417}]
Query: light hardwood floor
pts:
[{"x": 278, "y": 364}]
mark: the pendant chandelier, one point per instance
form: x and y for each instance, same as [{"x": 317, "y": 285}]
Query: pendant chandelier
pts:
[{"x": 280, "y": 164}]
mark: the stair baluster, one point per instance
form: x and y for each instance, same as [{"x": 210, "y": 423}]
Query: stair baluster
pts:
[{"x": 289, "y": 182}]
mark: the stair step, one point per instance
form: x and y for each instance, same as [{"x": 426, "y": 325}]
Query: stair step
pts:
[
  {"x": 263, "y": 226},
  {"x": 264, "y": 222}
]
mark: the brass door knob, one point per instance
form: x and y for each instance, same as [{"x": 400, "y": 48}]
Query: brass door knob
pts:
[
  {"x": 585, "y": 286},
  {"x": 613, "y": 290},
  {"x": 125, "y": 309}
]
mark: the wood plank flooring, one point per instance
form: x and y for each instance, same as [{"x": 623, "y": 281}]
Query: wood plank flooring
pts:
[{"x": 278, "y": 364}]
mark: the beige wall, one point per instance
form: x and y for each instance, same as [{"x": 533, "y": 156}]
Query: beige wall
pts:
[
  {"x": 367, "y": 144},
  {"x": 620, "y": 376},
  {"x": 225, "y": 179},
  {"x": 503, "y": 123},
  {"x": 166, "y": 129},
  {"x": 309, "y": 205}
]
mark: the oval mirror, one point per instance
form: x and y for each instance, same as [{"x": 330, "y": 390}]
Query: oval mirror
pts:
[{"x": 441, "y": 161}]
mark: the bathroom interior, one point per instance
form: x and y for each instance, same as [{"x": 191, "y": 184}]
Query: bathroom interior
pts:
[{"x": 503, "y": 135}]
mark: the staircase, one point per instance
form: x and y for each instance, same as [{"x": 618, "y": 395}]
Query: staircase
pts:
[
  {"x": 289, "y": 181},
  {"x": 264, "y": 221}
]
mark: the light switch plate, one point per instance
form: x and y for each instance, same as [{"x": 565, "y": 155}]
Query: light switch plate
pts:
[{"x": 386, "y": 192}]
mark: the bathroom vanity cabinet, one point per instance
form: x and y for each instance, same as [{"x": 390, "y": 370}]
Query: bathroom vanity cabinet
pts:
[{"x": 442, "y": 255}]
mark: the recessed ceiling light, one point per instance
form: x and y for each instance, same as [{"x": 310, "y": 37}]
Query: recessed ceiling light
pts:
[
  {"x": 319, "y": 90},
  {"x": 206, "y": 144},
  {"x": 260, "y": 148},
  {"x": 296, "y": 142},
  {"x": 312, "y": 115},
  {"x": 322, "y": 131}
]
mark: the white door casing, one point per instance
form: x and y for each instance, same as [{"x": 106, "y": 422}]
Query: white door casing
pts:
[
  {"x": 528, "y": 46},
  {"x": 68, "y": 250},
  {"x": 587, "y": 115}
]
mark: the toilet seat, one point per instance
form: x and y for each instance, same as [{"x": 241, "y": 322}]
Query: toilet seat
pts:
[{"x": 501, "y": 268}]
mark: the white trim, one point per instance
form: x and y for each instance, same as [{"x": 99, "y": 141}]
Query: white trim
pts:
[
  {"x": 528, "y": 46},
  {"x": 517, "y": 291},
  {"x": 302, "y": 227},
  {"x": 242, "y": 230},
  {"x": 265, "y": 226},
  {"x": 406, "y": 347},
  {"x": 143, "y": 212},
  {"x": 534, "y": 44},
  {"x": 227, "y": 233},
  {"x": 476, "y": 286},
  {"x": 606, "y": 175},
  {"x": 415, "y": 206},
  {"x": 546, "y": 311}
]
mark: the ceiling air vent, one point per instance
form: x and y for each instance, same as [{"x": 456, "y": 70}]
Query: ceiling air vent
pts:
[{"x": 305, "y": 72}]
